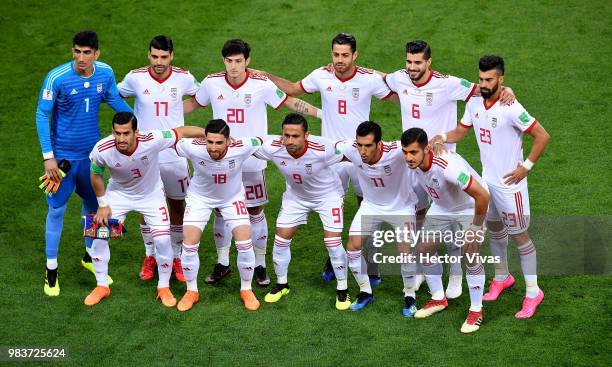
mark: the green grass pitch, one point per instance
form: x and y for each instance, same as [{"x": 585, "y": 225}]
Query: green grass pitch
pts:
[{"x": 557, "y": 61}]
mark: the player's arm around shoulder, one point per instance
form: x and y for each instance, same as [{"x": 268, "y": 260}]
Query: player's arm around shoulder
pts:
[
  {"x": 302, "y": 107},
  {"x": 189, "y": 132},
  {"x": 287, "y": 86}
]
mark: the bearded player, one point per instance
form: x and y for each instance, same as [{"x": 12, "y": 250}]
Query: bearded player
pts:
[
  {"x": 346, "y": 92},
  {"x": 135, "y": 185},
  {"x": 305, "y": 161},
  {"x": 217, "y": 184},
  {"x": 241, "y": 98},
  {"x": 158, "y": 91},
  {"x": 499, "y": 132}
]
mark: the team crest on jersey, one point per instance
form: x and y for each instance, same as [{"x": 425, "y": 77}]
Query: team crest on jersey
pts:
[
  {"x": 356, "y": 93},
  {"x": 429, "y": 98},
  {"x": 493, "y": 121},
  {"x": 145, "y": 160},
  {"x": 173, "y": 93},
  {"x": 232, "y": 164},
  {"x": 99, "y": 88},
  {"x": 435, "y": 181},
  {"x": 308, "y": 168},
  {"x": 387, "y": 170},
  {"x": 247, "y": 99},
  {"x": 48, "y": 95}
]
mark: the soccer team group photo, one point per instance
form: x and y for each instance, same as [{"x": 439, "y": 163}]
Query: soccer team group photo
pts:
[{"x": 319, "y": 191}]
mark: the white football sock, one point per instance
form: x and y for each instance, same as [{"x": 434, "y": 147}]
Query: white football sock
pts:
[
  {"x": 163, "y": 255},
  {"x": 100, "y": 257},
  {"x": 190, "y": 261},
  {"x": 433, "y": 277},
  {"x": 246, "y": 263},
  {"x": 529, "y": 265},
  {"x": 176, "y": 237},
  {"x": 281, "y": 256},
  {"x": 475, "y": 277},
  {"x": 358, "y": 268},
  {"x": 337, "y": 256},
  {"x": 409, "y": 270},
  {"x": 455, "y": 265},
  {"x": 223, "y": 240},
  {"x": 499, "y": 248},
  {"x": 145, "y": 231},
  {"x": 259, "y": 228}
]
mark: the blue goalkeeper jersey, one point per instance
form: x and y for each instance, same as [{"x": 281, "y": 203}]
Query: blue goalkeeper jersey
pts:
[{"x": 73, "y": 103}]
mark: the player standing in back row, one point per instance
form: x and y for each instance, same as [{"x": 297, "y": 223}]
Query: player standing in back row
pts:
[
  {"x": 428, "y": 100},
  {"x": 241, "y": 98},
  {"x": 70, "y": 97},
  {"x": 158, "y": 91},
  {"x": 499, "y": 132},
  {"x": 346, "y": 95}
]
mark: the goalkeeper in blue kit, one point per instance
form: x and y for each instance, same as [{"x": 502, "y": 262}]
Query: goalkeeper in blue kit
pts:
[{"x": 70, "y": 100}]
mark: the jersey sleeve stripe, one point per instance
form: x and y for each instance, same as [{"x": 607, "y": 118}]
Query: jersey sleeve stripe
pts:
[
  {"x": 302, "y": 87},
  {"x": 471, "y": 93},
  {"x": 282, "y": 102},
  {"x": 389, "y": 95},
  {"x": 56, "y": 74},
  {"x": 469, "y": 184},
  {"x": 535, "y": 122},
  {"x": 464, "y": 125}
]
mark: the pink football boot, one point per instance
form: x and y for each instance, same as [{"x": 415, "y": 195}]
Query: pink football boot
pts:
[
  {"x": 496, "y": 288},
  {"x": 529, "y": 306}
]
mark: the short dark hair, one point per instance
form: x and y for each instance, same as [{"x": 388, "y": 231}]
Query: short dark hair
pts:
[
  {"x": 236, "y": 47},
  {"x": 491, "y": 62},
  {"x": 161, "y": 42},
  {"x": 345, "y": 39},
  {"x": 414, "y": 134},
  {"x": 295, "y": 119},
  {"x": 217, "y": 126},
  {"x": 418, "y": 47},
  {"x": 86, "y": 39},
  {"x": 122, "y": 118},
  {"x": 370, "y": 127}
]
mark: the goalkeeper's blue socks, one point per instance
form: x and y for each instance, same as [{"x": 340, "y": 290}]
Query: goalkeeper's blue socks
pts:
[{"x": 53, "y": 234}]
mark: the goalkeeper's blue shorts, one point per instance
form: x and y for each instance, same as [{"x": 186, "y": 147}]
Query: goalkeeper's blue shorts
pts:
[{"x": 77, "y": 179}]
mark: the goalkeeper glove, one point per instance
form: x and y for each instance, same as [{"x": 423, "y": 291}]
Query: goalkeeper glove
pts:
[{"x": 49, "y": 185}]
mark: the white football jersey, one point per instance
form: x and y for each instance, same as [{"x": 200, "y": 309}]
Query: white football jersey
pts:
[
  {"x": 135, "y": 175},
  {"x": 446, "y": 181},
  {"x": 386, "y": 183},
  {"x": 158, "y": 103},
  {"x": 432, "y": 105},
  {"x": 499, "y": 132},
  {"x": 345, "y": 102},
  {"x": 308, "y": 176},
  {"x": 217, "y": 182},
  {"x": 243, "y": 107}
]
